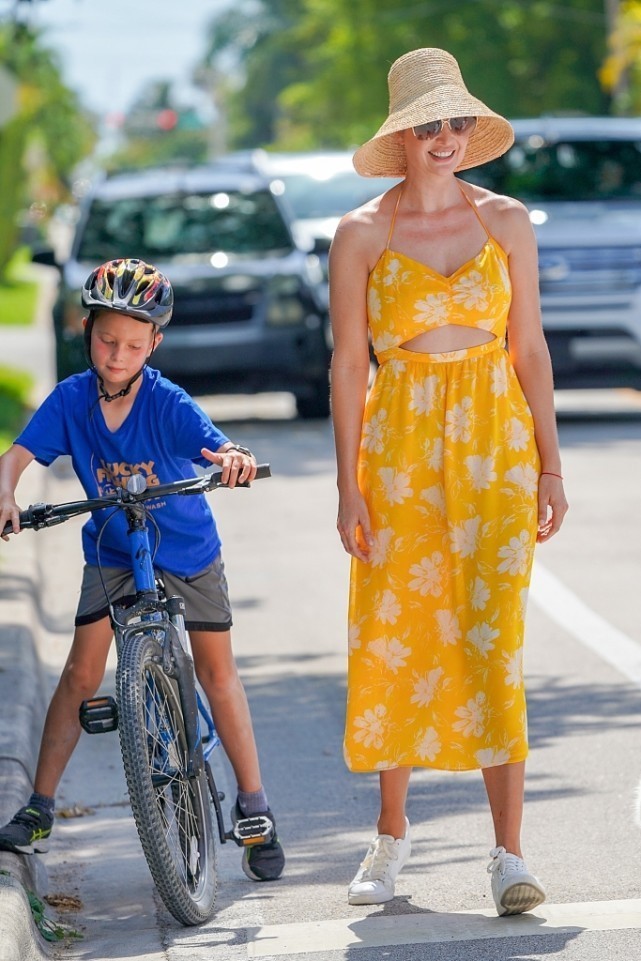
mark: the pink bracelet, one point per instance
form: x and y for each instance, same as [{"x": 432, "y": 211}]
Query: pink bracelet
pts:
[{"x": 551, "y": 474}]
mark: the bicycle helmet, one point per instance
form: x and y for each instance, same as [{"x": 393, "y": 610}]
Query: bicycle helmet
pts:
[{"x": 130, "y": 287}]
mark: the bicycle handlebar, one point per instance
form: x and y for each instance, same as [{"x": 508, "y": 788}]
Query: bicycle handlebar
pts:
[{"x": 37, "y": 516}]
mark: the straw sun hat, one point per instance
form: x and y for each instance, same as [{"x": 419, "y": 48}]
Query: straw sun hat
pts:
[{"x": 426, "y": 85}]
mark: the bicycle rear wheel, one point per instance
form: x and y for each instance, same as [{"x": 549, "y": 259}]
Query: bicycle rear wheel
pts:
[{"x": 171, "y": 810}]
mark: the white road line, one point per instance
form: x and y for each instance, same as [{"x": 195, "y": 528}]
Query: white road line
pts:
[
  {"x": 562, "y": 605},
  {"x": 278, "y": 940}
]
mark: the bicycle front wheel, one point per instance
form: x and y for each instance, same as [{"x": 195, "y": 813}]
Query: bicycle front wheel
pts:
[{"x": 171, "y": 810}]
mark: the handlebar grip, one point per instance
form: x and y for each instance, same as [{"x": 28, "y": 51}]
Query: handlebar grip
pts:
[
  {"x": 263, "y": 470},
  {"x": 24, "y": 516}
]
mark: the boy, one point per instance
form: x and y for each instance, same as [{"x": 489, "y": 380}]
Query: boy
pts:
[{"x": 121, "y": 417}]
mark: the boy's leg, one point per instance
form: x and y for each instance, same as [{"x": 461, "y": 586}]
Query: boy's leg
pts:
[
  {"x": 29, "y": 829},
  {"x": 217, "y": 672},
  {"x": 80, "y": 679}
]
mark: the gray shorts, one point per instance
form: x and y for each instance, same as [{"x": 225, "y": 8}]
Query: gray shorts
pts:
[{"x": 205, "y": 594}]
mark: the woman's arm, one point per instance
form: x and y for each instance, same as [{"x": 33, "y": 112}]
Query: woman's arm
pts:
[
  {"x": 531, "y": 359},
  {"x": 348, "y": 273}
]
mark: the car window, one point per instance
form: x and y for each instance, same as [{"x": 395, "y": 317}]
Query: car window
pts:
[
  {"x": 184, "y": 226},
  {"x": 311, "y": 197},
  {"x": 534, "y": 169}
]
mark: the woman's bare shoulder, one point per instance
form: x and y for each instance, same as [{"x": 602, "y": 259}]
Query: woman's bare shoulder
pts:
[
  {"x": 366, "y": 227},
  {"x": 506, "y": 218}
]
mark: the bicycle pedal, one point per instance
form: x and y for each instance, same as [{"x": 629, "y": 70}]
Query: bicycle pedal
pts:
[
  {"x": 99, "y": 715},
  {"x": 252, "y": 830}
]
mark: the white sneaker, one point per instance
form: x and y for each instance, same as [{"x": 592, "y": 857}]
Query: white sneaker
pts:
[
  {"x": 515, "y": 890},
  {"x": 374, "y": 880}
]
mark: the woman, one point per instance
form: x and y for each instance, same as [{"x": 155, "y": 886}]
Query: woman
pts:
[{"x": 448, "y": 472}]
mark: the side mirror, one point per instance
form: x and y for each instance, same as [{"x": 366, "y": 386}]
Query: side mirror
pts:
[{"x": 46, "y": 257}]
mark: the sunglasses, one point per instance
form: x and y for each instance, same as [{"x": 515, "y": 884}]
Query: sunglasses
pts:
[{"x": 458, "y": 125}]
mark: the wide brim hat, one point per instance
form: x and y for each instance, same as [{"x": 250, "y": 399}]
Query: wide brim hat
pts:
[{"x": 426, "y": 85}]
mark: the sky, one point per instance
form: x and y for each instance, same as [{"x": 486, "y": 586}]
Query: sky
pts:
[{"x": 109, "y": 48}]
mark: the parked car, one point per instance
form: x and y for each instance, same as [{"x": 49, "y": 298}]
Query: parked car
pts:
[
  {"x": 580, "y": 178},
  {"x": 249, "y": 313},
  {"x": 317, "y": 188}
]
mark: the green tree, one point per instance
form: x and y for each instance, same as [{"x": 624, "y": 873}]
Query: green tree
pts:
[
  {"x": 45, "y": 139},
  {"x": 315, "y": 72},
  {"x": 621, "y": 71}
]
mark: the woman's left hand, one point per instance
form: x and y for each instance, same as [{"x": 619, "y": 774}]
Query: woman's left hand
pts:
[
  {"x": 238, "y": 468},
  {"x": 552, "y": 506}
]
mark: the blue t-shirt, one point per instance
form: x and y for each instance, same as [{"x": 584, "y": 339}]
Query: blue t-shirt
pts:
[{"x": 161, "y": 438}]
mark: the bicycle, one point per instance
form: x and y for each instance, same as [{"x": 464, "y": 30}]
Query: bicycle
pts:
[{"x": 167, "y": 734}]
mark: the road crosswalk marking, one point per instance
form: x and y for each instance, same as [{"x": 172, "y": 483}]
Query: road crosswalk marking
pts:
[{"x": 278, "y": 940}]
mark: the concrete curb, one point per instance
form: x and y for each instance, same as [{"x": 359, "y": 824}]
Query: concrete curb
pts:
[
  {"x": 23, "y": 702},
  {"x": 19, "y": 938}
]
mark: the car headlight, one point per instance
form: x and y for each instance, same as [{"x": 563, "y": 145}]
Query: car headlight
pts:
[{"x": 285, "y": 307}]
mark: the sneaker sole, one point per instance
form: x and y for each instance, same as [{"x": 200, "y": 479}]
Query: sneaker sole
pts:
[
  {"x": 245, "y": 865},
  {"x": 24, "y": 849},
  {"x": 521, "y": 898},
  {"x": 370, "y": 898}
]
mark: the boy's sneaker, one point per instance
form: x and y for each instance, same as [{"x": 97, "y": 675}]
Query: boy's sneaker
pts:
[
  {"x": 27, "y": 831},
  {"x": 515, "y": 890},
  {"x": 261, "y": 862},
  {"x": 375, "y": 879}
]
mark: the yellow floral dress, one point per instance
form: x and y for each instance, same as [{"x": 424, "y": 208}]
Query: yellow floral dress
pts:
[{"x": 449, "y": 468}]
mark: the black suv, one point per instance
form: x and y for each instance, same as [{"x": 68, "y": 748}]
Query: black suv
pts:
[{"x": 249, "y": 313}]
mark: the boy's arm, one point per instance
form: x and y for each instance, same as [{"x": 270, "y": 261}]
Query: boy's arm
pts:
[{"x": 12, "y": 465}]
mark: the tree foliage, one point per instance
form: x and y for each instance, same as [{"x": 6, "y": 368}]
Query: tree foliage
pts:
[
  {"x": 621, "y": 72},
  {"x": 314, "y": 71},
  {"x": 44, "y": 140}
]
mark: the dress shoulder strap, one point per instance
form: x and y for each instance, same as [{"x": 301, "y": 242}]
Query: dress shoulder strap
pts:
[
  {"x": 476, "y": 211},
  {"x": 393, "y": 221}
]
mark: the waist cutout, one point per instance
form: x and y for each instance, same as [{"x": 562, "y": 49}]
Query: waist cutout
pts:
[{"x": 447, "y": 357}]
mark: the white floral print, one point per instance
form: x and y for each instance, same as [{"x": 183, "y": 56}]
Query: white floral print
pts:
[
  {"x": 481, "y": 469},
  {"x": 427, "y": 575},
  {"x": 516, "y": 554},
  {"x": 481, "y": 636},
  {"x": 396, "y": 485},
  {"x": 388, "y": 609},
  {"x": 472, "y": 716},
  {"x": 424, "y": 395},
  {"x": 448, "y": 627},
  {"x": 480, "y": 594},
  {"x": 390, "y": 650},
  {"x": 425, "y": 687},
  {"x": 370, "y": 727},
  {"x": 380, "y": 546},
  {"x": 464, "y": 537},
  {"x": 428, "y": 745},
  {"x": 524, "y": 476},
  {"x": 470, "y": 291},
  {"x": 374, "y": 432},
  {"x": 458, "y": 421},
  {"x": 433, "y": 310}
]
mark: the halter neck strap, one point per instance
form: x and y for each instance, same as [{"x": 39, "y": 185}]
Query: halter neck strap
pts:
[
  {"x": 475, "y": 209},
  {"x": 393, "y": 221}
]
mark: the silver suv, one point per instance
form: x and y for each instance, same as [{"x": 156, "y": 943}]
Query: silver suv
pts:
[{"x": 580, "y": 178}]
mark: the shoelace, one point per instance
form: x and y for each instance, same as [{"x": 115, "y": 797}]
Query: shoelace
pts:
[
  {"x": 503, "y": 862},
  {"x": 378, "y": 859}
]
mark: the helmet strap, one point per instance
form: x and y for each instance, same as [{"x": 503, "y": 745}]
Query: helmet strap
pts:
[{"x": 122, "y": 393}]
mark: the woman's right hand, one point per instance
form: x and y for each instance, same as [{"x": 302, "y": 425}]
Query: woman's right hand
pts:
[{"x": 354, "y": 525}]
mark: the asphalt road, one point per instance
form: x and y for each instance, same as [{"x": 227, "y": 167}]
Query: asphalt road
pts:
[{"x": 288, "y": 579}]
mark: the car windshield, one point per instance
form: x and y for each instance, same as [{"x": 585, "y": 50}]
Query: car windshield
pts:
[
  {"x": 186, "y": 226},
  {"x": 311, "y": 197},
  {"x": 534, "y": 169}
]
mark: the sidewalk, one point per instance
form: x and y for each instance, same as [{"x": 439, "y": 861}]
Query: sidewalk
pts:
[
  {"x": 23, "y": 692},
  {"x": 23, "y": 702}
]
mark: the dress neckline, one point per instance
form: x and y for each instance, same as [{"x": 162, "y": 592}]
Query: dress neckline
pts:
[{"x": 490, "y": 242}]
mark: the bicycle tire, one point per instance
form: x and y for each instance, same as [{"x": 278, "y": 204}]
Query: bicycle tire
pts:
[{"x": 172, "y": 811}]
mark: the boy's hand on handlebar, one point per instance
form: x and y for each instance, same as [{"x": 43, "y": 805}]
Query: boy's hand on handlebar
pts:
[
  {"x": 238, "y": 467},
  {"x": 9, "y": 514}
]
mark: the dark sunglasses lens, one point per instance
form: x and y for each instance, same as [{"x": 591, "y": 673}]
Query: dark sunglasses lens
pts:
[
  {"x": 460, "y": 124},
  {"x": 426, "y": 130}
]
